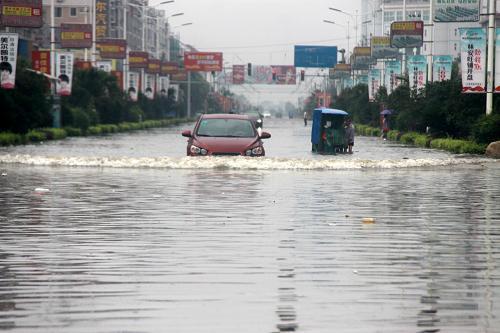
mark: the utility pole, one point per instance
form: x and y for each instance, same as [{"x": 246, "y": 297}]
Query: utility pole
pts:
[
  {"x": 491, "y": 54},
  {"x": 125, "y": 63},
  {"x": 430, "y": 78},
  {"x": 92, "y": 56}
]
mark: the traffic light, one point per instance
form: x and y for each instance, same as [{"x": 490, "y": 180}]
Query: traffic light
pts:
[
  {"x": 302, "y": 75},
  {"x": 249, "y": 69}
]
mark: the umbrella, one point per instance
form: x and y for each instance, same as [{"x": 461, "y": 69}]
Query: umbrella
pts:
[{"x": 386, "y": 112}]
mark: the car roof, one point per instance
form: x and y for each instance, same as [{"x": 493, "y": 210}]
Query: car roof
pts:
[{"x": 224, "y": 116}]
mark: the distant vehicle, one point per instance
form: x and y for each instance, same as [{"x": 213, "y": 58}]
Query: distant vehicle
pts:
[
  {"x": 328, "y": 132},
  {"x": 225, "y": 135},
  {"x": 267, "y": 115}
]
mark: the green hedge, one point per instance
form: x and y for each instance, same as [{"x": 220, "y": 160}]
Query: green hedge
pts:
[
  {"x": 9, "y": 139},
  {"x": 458, "y": 146}
]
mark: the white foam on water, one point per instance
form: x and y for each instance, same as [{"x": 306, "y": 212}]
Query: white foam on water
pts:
[{"x": 238, "y": 163}]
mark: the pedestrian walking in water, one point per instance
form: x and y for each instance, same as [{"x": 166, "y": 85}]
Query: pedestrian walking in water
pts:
[
  {"x": 385, "y": 127},
  {"x": 349, "y": 135},
  {"x": 305, "y": 118}
]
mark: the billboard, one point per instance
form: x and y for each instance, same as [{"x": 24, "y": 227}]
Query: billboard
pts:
[
  {"x": 101, "y": 18},
  {"x": 153, "y": 66},
  {"x": 76, "y": 36},
  {"x": 392, "y": 75},
  {"x": 179, "y": 76},
  {"x": 112, "y": 48},
  {"x": 149, "y": 86},
  {"x": 260, "y": 75},
  {"x": 417, "y": 71},
  {"x": 340, "y": 71},
  {"x": 21, "y": 13},
  {"x": 313, "y": 56},
  {"x": 407, "y": 34},
  {"x": 362, "y": 58},
  {"x": 168, "y": 67},
  {"x": 162, "y": 88},
  {"x": 381, "y": 48},
  {"x": 203, "y": 61},
  {"x": 133, "y": 86},
  {"x": 284, "y": 74},
  {"x": 64, "y": 73},
  {"x": 441, "y": 68},
  {"x": 456, "y": 11},
  {"x": 238, "y": 74},
  {"x": 40, "y": 61},
  {"x": 374, "y": 77},
  {"x": 473, "y": 59},
  {"x": 8, "y": 59},
  {"x": 138, "y": 59}
]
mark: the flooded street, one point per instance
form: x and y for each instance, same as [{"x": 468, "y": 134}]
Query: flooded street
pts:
[{"x": 126, "y": 234}]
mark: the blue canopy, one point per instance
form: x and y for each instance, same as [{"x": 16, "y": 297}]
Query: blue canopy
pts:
[{"x": 316, "y": 126}]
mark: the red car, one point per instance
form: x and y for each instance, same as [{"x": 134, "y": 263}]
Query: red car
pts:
[{"x": 225, "y": 134}]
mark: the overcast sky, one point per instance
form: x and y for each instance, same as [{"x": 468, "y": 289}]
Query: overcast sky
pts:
[{"x": 262, "y": 32}]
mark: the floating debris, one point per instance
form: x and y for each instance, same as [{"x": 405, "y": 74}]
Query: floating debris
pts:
[{"x": 368, "y": 220}]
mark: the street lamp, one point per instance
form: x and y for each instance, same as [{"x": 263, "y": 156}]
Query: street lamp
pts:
[
  {"x": 347, "y": 29},
  {"x": 354, "y": 16}
]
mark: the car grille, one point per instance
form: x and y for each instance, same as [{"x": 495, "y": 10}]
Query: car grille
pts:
[{"x": 226, "y": 154}]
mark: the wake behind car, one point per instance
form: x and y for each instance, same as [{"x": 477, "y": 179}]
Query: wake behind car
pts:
[{"x": 225, "y": 134}]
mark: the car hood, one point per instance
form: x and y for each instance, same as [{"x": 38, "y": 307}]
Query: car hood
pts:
[{"x": 223, "y": 144}]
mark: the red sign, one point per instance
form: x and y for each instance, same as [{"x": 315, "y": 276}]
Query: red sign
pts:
[
  {"x": 153, "y": 66},
  {"x": 101, "y": 18},
  {"x": 138, "y": 59},
  {"x": 80, "y": 64},
  {"x": 169, "y": 67},
  {"x": 21, "y": 13},
  {"x": 238, "y": 74},
  {"x": 40, "y": 61},
  {"x": 180, "y": 76},
  {"x": 112, "y": 48},
  {"x": 203, "y": 61},
  {"x": 76, "y": 36},
  {"x": 119, "y": 78},
  {"x": 284, "y": 74}
]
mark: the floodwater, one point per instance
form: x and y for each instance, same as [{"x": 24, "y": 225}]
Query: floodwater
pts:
[{"x": 125, "y": 234}]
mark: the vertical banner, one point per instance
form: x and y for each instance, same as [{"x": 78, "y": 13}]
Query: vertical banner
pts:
[
  {"x": 473, "y": 59},
  {"x": 149, "y": 87},
  {"x": 133, "y": 86},
  {"x": 392, "y": 74},
  {"x": 373, "y": 83},
  {"x": 361, "y": 79},
  {"x": 8, "y": 59},
  {"x": 442, "y": 66},
  {"x": 417, "y": 72},
  {"x": 163, "y": 87},
  {"x": 101, "y": 18},
  {"x": 104, "y": 65},
  {"x": 64, "y": 73},
  {"x": 238, "y": 74},
  {"x": 497, "y": 67},
  {"x": 40, "y": 61}
]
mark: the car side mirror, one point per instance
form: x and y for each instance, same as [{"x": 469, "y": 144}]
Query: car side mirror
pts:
[
  {"x": 187, "y": 133},
  {"x": 265, "y": 135}
]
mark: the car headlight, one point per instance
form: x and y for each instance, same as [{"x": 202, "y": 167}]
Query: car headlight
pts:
[
  {"x": 197, "y": 150},
  {"x": 257, "y": 151}
]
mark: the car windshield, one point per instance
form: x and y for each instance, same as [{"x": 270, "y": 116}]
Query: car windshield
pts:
[{"x": 239, "y": 128}]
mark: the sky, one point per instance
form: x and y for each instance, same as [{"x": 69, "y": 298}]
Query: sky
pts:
[{"x": 262, "y": 32}]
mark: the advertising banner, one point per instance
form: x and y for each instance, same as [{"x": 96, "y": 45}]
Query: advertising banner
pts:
[
  {"x": 76, "y": 36},
  {"x": 203, "y": 61},
  {"x": 101, "y": 18},
  {"x": 64, "y": 73},
  {"x": 362, "y": 58},
  {"x": 441, "y": 68},
  {"x": 133, "y": 86},
  {"x": 138, "y": 59},
  {"x": 314, "y": 56},
  {"x": 340, "y": 71},
  {"x": 21, "y": 13},
  {"x": 168, "y": 67},
  {"x": 374, "y": 77},
  {"x": 8, "y": 59},
  {"x": 84, "y": 65},
  {"x": 392, "y": 74},
  {"x": 180, "y": 76},
  {"x": 104, "y": 65},
  {"x": 238, "y": 74},
  {"x": 260, "y": 75},
  {"x": 497, "y": 67},
  {"x": 163, "y": 87},
  {"x": 149, "y": 86},
  {"x": 112, "y": 48},
  {"x": 381, "y": 48},
  {"x": 456, "y": 10},
  {"x": 407, "y": 34},
  {"x": 361, "y": 79},
  {"x": 153, "y": 66},
  {"x": 473, "y": 59},
  {"x": 119, "y": 78},
  {"x": 417, "y": 71},
  {"x": 284, "y": 74},
  {"x": 40, "y": 61}
]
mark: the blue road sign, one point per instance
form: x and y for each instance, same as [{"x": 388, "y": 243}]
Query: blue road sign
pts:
[{"x": 315, "y": 56}]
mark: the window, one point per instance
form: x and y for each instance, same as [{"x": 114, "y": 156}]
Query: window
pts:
[
  {"x": 399, "y": 15},
  {"x": 426, "y": 16},
  {"x": 389, "y": 17},
  {"x": 58, "y": 12},
  {"x": 72, "y": 12}
]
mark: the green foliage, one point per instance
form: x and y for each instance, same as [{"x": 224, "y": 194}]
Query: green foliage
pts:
[
  {"x": 71, "y": 131},
  {"x": 394, "y": 135},
  {"x": 35, "y": 136},
  {"x": 355, "y": 101},
  {"x": 54, "y": 133},
  {"x": 8, "y": 139},
  {"x": 458, "y": 146},
  {"x": 94, "y": 130},
  {"x": 487, "y": 129}
]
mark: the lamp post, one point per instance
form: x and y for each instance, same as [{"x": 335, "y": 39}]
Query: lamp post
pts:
[
  {"x": 491, "y": 54},
  {"x": 347, "y": 29},
  {"x": 354, "y": 16}
]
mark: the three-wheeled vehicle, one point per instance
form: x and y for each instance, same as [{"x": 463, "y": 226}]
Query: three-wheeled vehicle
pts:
[{"x": 328, "y": 131}]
